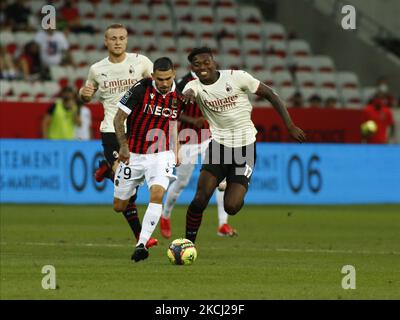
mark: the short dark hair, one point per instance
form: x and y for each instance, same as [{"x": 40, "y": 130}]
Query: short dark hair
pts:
[
  {"x": 163, "y": 64},
  {"x": 197, "y": 51}
]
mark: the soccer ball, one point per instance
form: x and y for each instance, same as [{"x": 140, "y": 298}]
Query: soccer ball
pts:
[
  {"x": 369, "y": 127},
  {"x": 182, "y": 252}
]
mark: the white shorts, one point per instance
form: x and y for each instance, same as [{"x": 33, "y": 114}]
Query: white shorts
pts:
[
  {"x": 155, "y": 168},
  {"x": 189, "y": 153}
]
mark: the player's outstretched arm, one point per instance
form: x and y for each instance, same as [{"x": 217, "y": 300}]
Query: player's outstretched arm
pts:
[
  {"x": 188, "y": 96},
  {"x": 269, "y": 94},
  {"x": 119, "y": 127}
]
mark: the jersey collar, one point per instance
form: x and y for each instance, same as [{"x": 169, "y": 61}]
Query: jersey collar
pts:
[{"x": 164, "y": 95}]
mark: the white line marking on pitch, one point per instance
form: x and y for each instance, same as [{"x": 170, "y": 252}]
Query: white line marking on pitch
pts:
[{"x": 120, "y": 245}]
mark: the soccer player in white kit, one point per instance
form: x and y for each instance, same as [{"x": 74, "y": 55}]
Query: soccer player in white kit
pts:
[
  {"x": 112, "y": 77},
  {"x": 231, "y": 155},
  {"x": 194, "y": 139}
]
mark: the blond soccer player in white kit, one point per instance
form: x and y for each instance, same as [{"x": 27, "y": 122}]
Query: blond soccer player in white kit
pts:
[
  {"x": 112, "y": 77},
  {"x": 223, "y": 99}
]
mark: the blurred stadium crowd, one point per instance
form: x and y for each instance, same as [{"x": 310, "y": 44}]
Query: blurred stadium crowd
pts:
[{"x": 36, "y": 64}]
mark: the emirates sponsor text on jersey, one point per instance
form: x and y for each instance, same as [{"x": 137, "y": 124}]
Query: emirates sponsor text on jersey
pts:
[{"x": 222, "y": 104}]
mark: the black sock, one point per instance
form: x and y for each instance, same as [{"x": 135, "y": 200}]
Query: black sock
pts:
[
  {"x": 131, "y": 215},
  {"x": 193, "y": 221}
]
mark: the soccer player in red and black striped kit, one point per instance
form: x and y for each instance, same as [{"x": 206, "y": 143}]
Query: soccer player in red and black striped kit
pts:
[
  {"x": 150, "y": 152},
  {"x": 194, "y": 137}
]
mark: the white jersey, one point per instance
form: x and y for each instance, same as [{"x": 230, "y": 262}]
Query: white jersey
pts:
[
  {"x": 226, "y": 106},
  {"x": 112, "y": 80}
]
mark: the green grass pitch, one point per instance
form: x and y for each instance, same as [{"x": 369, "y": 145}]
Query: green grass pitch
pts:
[{"x": 282, "y": 252}]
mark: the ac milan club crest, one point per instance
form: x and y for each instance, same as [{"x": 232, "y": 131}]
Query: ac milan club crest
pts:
[
  {"x": 131, "y": 70},
  {"x": 228, "y": 87}
]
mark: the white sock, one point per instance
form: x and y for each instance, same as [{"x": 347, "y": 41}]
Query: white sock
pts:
[
  {"x": 150, "y": 220},
  {"x": 170, "y": 200},
  {"x": 222, "y": 215},
  {"x": 183, "y": 173}
]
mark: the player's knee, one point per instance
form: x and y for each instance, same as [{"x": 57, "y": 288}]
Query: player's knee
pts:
[
  {"x": 119, "y": 206},
  {"x": 232, "y": 208},
  {"x": 156, "y": 194}
]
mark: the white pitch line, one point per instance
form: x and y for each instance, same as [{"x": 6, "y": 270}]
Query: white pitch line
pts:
[{"x": 120, "y": 245}]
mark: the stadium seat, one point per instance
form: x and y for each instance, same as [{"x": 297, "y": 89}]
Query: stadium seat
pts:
[
  {"x": 5, "y": 89},
  {"x": 287, "y": 92},
  {"x": 145, "y": 28},
  {"x": 250, "y": 31},
  {"x": 21, "y": 89},
  {"x": 59, "y": 74},
  {"x": 185, "y": 28},
  {"x": 282, "y": 79},
  {"x": 326, "y": 93},
  {"x": 203, "y": 30},
  {"x": 182, "y": 12},
  {"x": 6, "y": 37},
  {"x": 254, "y": 62},
  {"x": 105, "y": 10},
  {"x": 226, "y": 15},
  {"x": 86, "y": 9},
  {"x": 276, "y": 47},
  {"x": 250, "y": 14},
  {"x": 307, "y": 92},
  {"x": 305, "y": 79},
  {"x": 164, "y": 28},
  {"x": 186, "y": 44},
  {"x": 273, "y": 31},
  {"x": 231, "y": 46},
  {"x": 140, "y": 11},
  {"x": 302, "y": 64},
  {"x": 51, "y": 88},
  {"x": 264, "y": 76},
  {"x": 351, "y": 98},
  {"x": 87, "y": 41},
  {"x": 160, "y": 12},
  {"x": 323, "y": 64},
  {"x": 325, "y": 80},
  {"x": 147, "y": 43},
  {"x": 22, "y": 38},
  {"x": 347, "y": 79},
  {"x": 166, "y": 45},
  {"x": 275, "y": 63},
  {"x": 228, "y": 61},
  {"x": 298, "y": 47},
  {"x": 80, "y": 58},
  {"x": 226, "y": 30},
  {"x": 122, "y": 10},
  {"x": 252, "y": 47},
  {"x": 209, "y": 42},
  {"x": 203, "y": 14}
]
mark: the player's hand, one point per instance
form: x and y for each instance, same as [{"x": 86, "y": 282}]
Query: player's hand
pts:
[
  {"x": 297, "y": 134},
  {"x": 124, "y": 155},
  {"x": 199, "y": 122},
  {"x": 87, "y": 91},
  {"x": 188, "y": 96}
]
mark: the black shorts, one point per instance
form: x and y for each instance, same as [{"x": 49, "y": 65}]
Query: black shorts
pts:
[
  {"x": 110, "y": 146},
  {"x": 234, "y": 164}
]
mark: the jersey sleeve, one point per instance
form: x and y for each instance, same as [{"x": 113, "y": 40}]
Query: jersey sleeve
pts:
[
  {"x": 91, "y": 79},
  {"x": 190, "y": 85},
  {"x": 246, "y": 81},
  {"x": 132, "y": 98},
  {"x": 147, "y": 67}
]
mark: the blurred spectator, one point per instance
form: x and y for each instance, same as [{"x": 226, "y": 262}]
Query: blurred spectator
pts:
[
  {"x": 17, "y": 15},
  {"x": 315, "y": 101},
  {"x": 53, "y": 47},
  {"x": 331, "y": 103},
  {"x": 296, "y": 100},
  {"x": 69, "y": 15},
  {"x": 384, "y": 93},
  {"x": 84, "y": 130},
  {"x": 62, "y": 117},
  {"x": 7, "y": 67},
  {"x": 382, "y": 115},
  {"x": 30, "y": 63}
]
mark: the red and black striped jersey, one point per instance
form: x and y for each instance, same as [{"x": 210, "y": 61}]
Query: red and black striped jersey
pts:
[
  {"x": 151, "y": 115},
  {"x": 191, "y": 110}
]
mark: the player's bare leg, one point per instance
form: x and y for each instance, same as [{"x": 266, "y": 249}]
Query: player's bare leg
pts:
[
  {"x": 206, "y": 186},
  {"x": 234, "y": 197}
]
